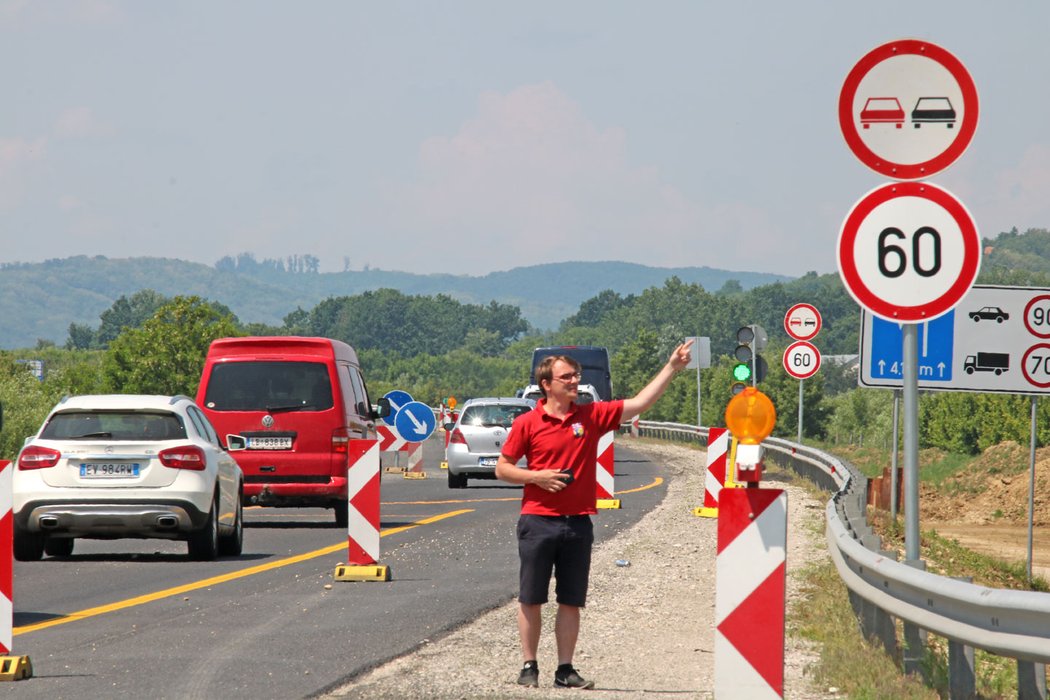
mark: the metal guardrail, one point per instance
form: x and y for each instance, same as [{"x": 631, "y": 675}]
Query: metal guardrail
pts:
[{"x": 1009, "y": 623}]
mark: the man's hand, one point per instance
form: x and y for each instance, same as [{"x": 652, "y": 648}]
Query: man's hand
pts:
[
  {"x": 551, "y": 479},
  {"x": 681, "y": 356}
]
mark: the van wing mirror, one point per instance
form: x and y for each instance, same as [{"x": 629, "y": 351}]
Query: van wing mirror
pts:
[
  {"x": 382, "y": 409},
  {"x": 236, "y": 442}
]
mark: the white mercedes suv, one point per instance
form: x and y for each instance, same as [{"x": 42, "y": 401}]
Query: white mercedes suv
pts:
[{"x": 115, "y": 466}]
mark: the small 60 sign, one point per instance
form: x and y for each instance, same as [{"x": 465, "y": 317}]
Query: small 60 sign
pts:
[{"x": 801, "y": 360}]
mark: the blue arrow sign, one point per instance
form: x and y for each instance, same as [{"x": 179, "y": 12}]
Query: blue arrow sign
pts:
[
  {"x": 415, "y": 421},
  {"x": 397, "y": 399},
  {"x": 936, "y": 343}
]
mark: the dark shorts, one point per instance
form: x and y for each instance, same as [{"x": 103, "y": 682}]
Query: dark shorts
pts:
[{"x": 554, "y": 543}]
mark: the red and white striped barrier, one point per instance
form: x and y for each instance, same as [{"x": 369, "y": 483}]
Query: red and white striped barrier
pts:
[
  {"x": 715, "y": 476},
  {"x": 362, "y": 476},
  {"x": 414, "y": 451},
  {"x": 605, "y": 471},
  {"x": 749, "y": 593},
  {"x": 389, "y": 439},
  {"x": 7, "y": 532}
]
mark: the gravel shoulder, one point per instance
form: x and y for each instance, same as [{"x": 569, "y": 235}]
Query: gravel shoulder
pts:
[{"x": 648, "y": 629}]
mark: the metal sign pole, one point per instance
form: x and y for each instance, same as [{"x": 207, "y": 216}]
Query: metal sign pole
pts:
[
  {"x": 910, "y": 355},
  {"x": 1031, "y": 490},
  {"x": 800, "y": 411},
  {"x": 893, "y": 460},
  {"x": 699, "y": 415}
]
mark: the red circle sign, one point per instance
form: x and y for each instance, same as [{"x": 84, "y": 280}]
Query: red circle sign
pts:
[
  {"x": 908, "y": 109},
  {"x": 908, "y": 251},
  {"x": 1035, "y": 365},
  {"x": 801, "y": 360},
  {"x": 1037, "y": 316},
  {"x": 802, "y": 321}
]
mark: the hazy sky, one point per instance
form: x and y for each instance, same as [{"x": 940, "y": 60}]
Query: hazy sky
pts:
[{"x": 468, "y": 137}]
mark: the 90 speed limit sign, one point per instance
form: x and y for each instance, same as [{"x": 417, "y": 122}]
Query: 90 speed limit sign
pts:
[
  {"x": 801, "y": 360},
  {"x": 908, "y": 251}
]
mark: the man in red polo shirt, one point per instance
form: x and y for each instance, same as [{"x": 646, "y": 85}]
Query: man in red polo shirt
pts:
[{"x": 554, "y": 531}]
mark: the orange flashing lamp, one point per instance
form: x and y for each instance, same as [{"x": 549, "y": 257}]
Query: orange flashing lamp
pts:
[{"x": 750, "y": 416}]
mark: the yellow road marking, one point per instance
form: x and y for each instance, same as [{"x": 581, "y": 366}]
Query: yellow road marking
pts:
[
  {"x": 233, "y": 575},
  {"x": 657, "y": 480}
]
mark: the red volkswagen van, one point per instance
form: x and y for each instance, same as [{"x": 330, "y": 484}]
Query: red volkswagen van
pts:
[{"x": 286, "y": 407}]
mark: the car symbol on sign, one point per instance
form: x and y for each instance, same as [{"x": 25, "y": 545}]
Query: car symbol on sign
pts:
[
  {"x": 990, "y": 313},
  {"x": 882, "y": 110},
  {"x": 933, "y": 110}
]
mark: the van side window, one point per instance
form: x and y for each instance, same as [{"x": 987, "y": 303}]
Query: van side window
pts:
[
  {"x": 359, "y": 388},
  {"x": 352, "y": 379}
]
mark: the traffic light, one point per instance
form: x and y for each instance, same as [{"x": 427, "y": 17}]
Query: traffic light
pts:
[{"x": 750, "y": 367}]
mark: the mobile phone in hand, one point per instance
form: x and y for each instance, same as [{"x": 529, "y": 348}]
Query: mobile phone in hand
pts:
[{"x": 568, "y": 472}]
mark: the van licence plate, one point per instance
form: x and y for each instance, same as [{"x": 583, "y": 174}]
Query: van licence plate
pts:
[
  {"x": 269, "y": 443},
  {"x": 108, "y": 470},
  {"x": 487, "y": 461}
]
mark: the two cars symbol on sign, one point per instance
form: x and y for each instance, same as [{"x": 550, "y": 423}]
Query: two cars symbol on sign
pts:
[
  {"x": 872, "y": 109},
  {"x": 802, "y": 322}
]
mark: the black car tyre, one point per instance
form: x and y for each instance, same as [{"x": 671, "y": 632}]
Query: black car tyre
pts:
[
  {"x": 29, "y": 546},
  {"x": 342, "y": 515},
  {"x": 58, "y": 546},
  {"x": 204, "y": 543},
  {"x": 457, "y": 481},
  {"x": 232, "y": 543}
]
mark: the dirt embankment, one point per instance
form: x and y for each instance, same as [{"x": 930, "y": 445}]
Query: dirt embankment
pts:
[{"x": 986, "y": 506}]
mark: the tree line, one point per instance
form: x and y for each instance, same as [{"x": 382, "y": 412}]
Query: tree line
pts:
[{"x": 435, "y": 347}]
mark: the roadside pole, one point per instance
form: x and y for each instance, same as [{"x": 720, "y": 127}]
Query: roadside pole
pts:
[
  {"x": 893, "y": 459},
  {"x": 1031, "y": 490},
  {"x": 910, "y": 353}
]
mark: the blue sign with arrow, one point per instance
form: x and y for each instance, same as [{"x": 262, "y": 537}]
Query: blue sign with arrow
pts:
[
  {"x": 936, "y": 344},
  {"x": 415, "y": 421},
  {"x": 397, "y": 399}
]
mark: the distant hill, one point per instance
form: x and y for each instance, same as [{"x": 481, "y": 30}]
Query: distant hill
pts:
[{"x": 40, "y": 300}]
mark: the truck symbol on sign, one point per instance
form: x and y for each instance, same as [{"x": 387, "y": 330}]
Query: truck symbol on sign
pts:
[{"x": 997, "y": 362}]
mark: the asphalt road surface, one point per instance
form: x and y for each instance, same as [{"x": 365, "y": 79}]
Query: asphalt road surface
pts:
[{"x": 137, "y": 618}]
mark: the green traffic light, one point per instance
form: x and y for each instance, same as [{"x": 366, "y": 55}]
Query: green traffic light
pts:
[{"x": 742, "y": 372}]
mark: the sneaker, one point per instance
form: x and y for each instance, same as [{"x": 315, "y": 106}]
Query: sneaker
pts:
[
  {"x": 569, "y": 678},
  {"x": 530, "y": 675}
]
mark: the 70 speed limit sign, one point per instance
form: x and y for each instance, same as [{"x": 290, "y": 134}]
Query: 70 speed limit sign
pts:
[{"x": 908, "y": 251}]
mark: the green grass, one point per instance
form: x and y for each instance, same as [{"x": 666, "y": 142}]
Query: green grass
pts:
[{"x": 861, "y": 669}]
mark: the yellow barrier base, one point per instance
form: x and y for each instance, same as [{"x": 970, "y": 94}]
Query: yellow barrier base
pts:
[
  {"x": 609, "y": 503},
  {"x": 15, "y": 668},
  {"x": 444, "y": 465},
  {"x": 394, "y": 470},
  {"x": 705, "y": 512},
  {"x": 362, "y": 573},
  {"x": 415, "y": 475}
]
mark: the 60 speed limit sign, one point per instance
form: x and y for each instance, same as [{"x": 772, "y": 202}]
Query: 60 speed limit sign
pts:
[
  {"x": 908, "y": 251},
  {"x": 801, "y": 360}
]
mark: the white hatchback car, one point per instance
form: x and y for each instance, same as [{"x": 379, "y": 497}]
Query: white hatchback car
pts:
[
  {"x": 115, "y": 466},
  {"x": 476, "y": 438}
]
